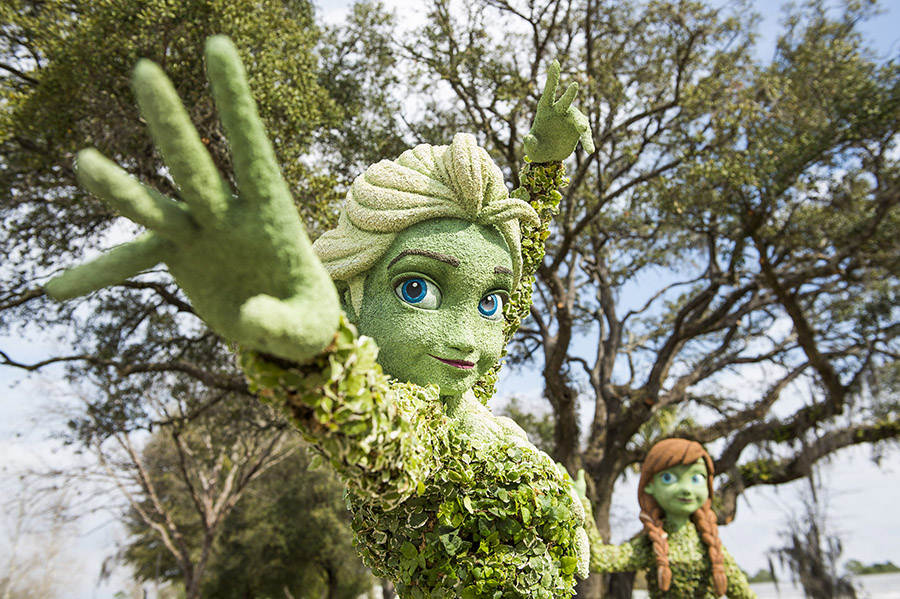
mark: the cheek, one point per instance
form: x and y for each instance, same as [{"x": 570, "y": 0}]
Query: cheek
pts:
[{"x": 492, "y": 341}]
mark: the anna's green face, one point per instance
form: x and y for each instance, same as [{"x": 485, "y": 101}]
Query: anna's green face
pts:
[
  {"x": 434, "y": 303},
  {"x": 681, "y": 490}
]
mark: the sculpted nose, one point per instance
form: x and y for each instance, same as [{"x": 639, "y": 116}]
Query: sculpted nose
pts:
[
  {"x": 463, "y": 339},
  {"x": 463, "y": 345}
]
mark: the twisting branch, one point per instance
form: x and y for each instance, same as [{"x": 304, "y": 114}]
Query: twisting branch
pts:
[
  {"x": 210, "y": 379},
  {"x": 778, "y": 471}
]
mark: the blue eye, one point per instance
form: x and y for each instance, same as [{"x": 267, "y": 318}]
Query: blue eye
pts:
[
  {"x": 698, "y": 479},
  {"x": 667, "y": 478},
  {"x": 491, "y": 306},
  {"x": 419, "y": 293}
]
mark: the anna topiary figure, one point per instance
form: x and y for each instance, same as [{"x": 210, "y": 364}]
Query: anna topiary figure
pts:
[
  {"x": 679, "y": 547},
  {"x": 448, "y": 500}
]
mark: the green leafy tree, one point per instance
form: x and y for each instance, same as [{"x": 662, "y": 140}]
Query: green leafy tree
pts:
[
  {"x": 287, "y": 536},
  {"x": 177, "y": 488},
  {"x": 360, "y": 69},
  {"x": 857, "y": 568},
  {"x": 66, "y": 67}
]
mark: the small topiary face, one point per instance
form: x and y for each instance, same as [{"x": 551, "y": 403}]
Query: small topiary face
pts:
[
  {"x": 434, "y": 303},
  {"x": 680, "y": 490}
]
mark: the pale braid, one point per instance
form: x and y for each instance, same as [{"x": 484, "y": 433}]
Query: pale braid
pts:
[
  {"x": 708, "y": 527},
  {"x": 653, "y": 526}
]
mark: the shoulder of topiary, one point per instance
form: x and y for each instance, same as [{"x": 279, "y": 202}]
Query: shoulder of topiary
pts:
[
  {"x": 540, "y": 185},
  {"x": 378, "y": 436}
]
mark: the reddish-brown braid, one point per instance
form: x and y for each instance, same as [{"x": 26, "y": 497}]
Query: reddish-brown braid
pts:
[
  {"x": 708, "y": 527},
  {"x": 664, "y": 455},
  {"x": 653, "y": 526}
]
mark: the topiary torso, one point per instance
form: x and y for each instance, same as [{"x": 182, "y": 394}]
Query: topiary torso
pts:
[
  {"x": 688, "y": 558},
  {"x": 441, "y": 507}
]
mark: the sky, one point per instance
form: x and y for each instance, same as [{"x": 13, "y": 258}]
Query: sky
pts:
[{"x": 861, "y": 496}]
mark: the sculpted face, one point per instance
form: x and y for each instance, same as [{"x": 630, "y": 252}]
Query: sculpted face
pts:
[
  {"x": 434, "y": 303},
  {"x": 681, "y": 490}
]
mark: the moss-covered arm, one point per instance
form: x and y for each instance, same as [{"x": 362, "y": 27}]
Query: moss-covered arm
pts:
[{"x": 631, "y": 556}]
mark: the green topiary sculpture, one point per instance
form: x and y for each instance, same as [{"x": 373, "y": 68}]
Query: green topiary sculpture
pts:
[
  {"x": 680, "y": 541},
  {"x": 431, "y": 262}
]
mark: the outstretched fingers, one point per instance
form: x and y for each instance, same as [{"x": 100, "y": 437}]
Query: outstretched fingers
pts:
[
  {"x": 111, "y": 268},
  {"x": 255, "y": 166},
  {"x": 185, "y": 155},
  {"x": 562, "y": 105},
  {"x": 141, "y": 204},
  {"x": 550, "y": 86}
]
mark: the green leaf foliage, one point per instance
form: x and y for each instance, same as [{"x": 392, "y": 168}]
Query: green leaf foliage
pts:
[{"x": 289, "y": 531}]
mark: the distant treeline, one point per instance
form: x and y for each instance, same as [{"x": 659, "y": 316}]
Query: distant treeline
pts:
[
  {"x": 858, "y": 568},
  {"x": 855, "y": 567}
]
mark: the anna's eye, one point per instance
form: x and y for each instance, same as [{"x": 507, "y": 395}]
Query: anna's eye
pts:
[
  {"x": 491, "y": 306},
  {"x": 419, "y": 293},
  {"x": 667, "y": 478},
  {"x": 698, "y": 479}
]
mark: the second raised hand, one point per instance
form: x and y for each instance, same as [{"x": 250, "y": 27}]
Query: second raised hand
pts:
[
  {"x": 558, "y": 126},
  {"x": 243, "y": 258}
]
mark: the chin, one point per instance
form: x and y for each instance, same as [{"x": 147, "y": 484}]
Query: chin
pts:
[{"x": 456, "y": 388}]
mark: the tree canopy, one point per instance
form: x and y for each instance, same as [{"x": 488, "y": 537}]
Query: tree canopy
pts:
[{"x": 289, "y": 530}]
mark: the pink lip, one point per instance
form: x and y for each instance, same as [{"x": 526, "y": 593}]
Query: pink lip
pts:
[{"x": 456, "y": 363}]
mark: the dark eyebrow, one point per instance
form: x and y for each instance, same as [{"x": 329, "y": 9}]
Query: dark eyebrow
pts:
[
  {"x": 502, "y": 270},
  {"x": 451, "y": 260}
]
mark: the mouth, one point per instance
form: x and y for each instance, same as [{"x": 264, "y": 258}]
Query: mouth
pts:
[{"x": 462, "y": 364}]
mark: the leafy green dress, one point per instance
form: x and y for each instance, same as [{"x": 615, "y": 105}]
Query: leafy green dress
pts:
[
  {"x": 688, "y": 559},
  {"x": 447, "y": 500}
]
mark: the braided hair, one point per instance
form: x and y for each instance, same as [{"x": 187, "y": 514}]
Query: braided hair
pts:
[{"x": 662, "y": 456}]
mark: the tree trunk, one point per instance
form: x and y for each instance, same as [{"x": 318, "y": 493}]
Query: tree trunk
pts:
[
  {"x": 620, "y": 585},
  {"x": 590, "y": 588},
  {"x": 565, "y": 434},
  {"x": 334, "y": 587}
]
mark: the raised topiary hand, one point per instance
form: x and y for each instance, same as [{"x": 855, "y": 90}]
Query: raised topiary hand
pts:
[
  {"x": 244, "y": 260},
  {"x": 558, "y": 126}
]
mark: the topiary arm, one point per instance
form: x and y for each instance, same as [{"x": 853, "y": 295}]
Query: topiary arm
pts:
[
  {"x": 631, "y": 556},
  {"x": 379, "y": 435},
  {"x": 738, "y": 587},
  {"x": 557, "y": 129},
  {"x": 244, "y": 260}
]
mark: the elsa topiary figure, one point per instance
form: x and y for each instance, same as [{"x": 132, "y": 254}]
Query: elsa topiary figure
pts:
[
  {"x": 679, "y": 547},
  {"x": 448, "y": 500}
]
